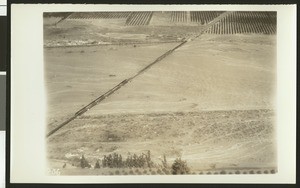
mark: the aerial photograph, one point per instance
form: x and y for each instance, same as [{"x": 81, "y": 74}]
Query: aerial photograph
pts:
[{"x": 160, "y": 92}]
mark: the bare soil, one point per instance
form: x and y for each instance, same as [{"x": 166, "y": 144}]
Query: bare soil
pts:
[
  {"x": 210, "y": 73},
  {"x": 77, "y": 75}
]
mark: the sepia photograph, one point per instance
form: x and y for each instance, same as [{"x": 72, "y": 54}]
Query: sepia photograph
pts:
[
  {"x": 160, "y": 92},
  {"x": 153, "y": 94}
]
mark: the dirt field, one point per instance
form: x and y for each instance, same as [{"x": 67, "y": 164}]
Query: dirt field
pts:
[
  {"x": 77, "y": 75},
  {"x": 210, "y": 73},
  {"x": 212, "y": 101}
]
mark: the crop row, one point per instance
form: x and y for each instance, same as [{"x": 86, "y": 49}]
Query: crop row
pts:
[
  {"x": 204, "y": 17},
  {"x": 179, "y": 16},
  {"x": 246, "y": 22},
  {"x": 97, "y": 15},
  {"x": 140, "y": 172},
  {"x": 163, "y": 171},
  {"x": 272, "y": 171},
  {"x": 250, "y": 17},
  {"x": 139, "y": 18}
]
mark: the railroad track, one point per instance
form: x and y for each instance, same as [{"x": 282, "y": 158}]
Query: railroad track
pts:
[{"x": 126, "y": 81}]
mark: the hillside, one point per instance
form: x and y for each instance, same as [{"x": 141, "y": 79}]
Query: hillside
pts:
[{"x": 210, "y": 102}]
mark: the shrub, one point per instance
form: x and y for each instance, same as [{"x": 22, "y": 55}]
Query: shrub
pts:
[
  {"x": 153, "y": 173},
  {"x": 266, "y": 172},
  {"x": 117, "y": 172},
  {"x": 159, "y": 171},
  {"x": 258, "y": 172},
  {"x": 245, "y": 172},
  {"x": 223, "y": 172},
  {"x": 209, "y": 173},
  {"x": 237, "y": 172},
  {"x": 251, "y": 172},
  {"x": 201, "y": 173},
  {"x": 273, "y": 171},
  {"x": 131, "y": 172},
  {"x": 180, "y": 167},
  {"x": 167, "y": 172},
  {"x": 145, "y": 172}
]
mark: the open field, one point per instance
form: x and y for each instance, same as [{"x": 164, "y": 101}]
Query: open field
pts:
[
  {"x": 72, "y": 80},
  {"x": 210, "y": 102},
  {"x": 210, "y": 73}
]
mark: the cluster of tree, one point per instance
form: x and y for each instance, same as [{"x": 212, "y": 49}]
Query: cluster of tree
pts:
[
  {"x": 112, "y": 161},
  {"x": 132, "y": 161},
  {"x": 180, "y": 167},
  {"x": 139, "y": 161}
]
